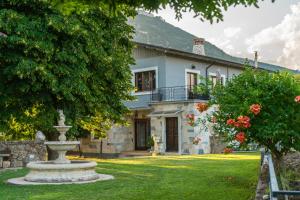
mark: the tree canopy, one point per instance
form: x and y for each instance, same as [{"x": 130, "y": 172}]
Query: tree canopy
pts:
[
  {"x": 261, "y": 107},
  {"x": 49, "y": 60},
  {"x": 206, "y": 10}
]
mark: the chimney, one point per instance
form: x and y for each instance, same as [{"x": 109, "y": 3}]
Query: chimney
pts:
[{"x": 198, "y": 46}]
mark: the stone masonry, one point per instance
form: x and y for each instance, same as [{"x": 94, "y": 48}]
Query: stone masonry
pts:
[{"x": 22, "y": 152}]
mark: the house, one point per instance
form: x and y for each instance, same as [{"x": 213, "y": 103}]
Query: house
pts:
[{"x": 168, "y": 64}]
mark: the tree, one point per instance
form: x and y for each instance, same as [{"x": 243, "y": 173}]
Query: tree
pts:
[
  {"x": 206, "y": 10},
  {"x": 77, "y": 61},
  {"x": 261, "y": 107}
]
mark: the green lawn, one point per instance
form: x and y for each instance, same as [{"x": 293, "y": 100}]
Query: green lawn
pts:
[{"x": 207, "y": 177}]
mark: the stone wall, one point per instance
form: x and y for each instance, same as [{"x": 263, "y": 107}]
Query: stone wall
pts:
[
  {"x": 119, "y": 139},
  {"x": 292, "y": 161},
  {"x": 23, "y": 152},
  {"x": 186, "y": 133},
  {"x": 291, "y": 166}
]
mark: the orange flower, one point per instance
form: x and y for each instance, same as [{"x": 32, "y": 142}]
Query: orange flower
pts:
[
  {"x": 240, "y": 137},
  {"x": 297, "y": 99},
  {"x": 237, "y": 124},
  {"x": 202, "y": 107},
  {"x": 230, "y": 122},
  {"x": 255, "y": 109},
  {"x": 243, "y": 121},
  {"x": 190, "y": 116},
  {"x": 190, "y": 119},
  {"x": 228, "y": 150}
]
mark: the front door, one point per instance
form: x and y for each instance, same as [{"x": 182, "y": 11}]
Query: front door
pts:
[
  {"x": 172, "y": 133},
  {"x": 142, "y": 133}
]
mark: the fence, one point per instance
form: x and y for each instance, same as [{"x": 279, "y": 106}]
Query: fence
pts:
[
  {"x": 275, "y": 192},
  {"x": 177, "y": 93}
]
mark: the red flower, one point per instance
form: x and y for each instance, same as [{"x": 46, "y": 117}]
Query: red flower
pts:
[
  {"x": 240, "y": 137},
  {"x": 202, "y": 107},
  {"x": 228, "y": 150},
  {"x": 243, "y": 121},
  {"x": 297, "y": 99},
  {"x": 255, "y": 109},
  {"x": 190, "y": 116},
  {"x": 230, "y": 122},
  {"x": 190, "y": 119},
  {"x": 237, "y": 124}
]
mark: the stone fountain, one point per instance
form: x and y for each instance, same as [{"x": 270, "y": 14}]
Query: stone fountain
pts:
[{"x": 61, "y": 170}]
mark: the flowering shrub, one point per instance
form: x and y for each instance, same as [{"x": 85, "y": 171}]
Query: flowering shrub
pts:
[
  {"x": 297, "y": 99},
  {"x": 260, "y": 107},
  {"x": 228, "y": 150},
  {"x": 240, "y": 137},
  {"x": 213, "y": 119},
  {"x": 190, "y": 119},
  {"x": 201, "y": 107},
  {"x": 255, "y": 109},
  {"x": 196, "y": 140}
]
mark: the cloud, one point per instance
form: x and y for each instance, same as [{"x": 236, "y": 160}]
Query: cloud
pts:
[
  {"x": 231, "y": 32},
  {"x": 281, "y": 41}
]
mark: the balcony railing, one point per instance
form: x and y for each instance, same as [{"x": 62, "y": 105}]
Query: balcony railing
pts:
[{"x": 178, "y": 93}]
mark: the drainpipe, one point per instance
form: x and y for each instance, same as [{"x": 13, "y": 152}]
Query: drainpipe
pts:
[
  {"x": 227, "y": 74},
  {"x": 206, "y": 71}
]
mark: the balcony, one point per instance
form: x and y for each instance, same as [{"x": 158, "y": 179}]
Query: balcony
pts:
[{"x": 178, "y": 93}]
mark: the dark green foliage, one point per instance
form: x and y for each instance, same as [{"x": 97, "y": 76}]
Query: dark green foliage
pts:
[
  {"x": 76, "y": 60},
  {"x": 277, "y": 126},
  {"x": 205, "y": 9}
]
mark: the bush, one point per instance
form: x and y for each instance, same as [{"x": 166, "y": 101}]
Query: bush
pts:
[{"x": 260, "y": 107}]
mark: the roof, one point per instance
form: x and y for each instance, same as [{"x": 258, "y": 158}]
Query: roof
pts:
[
  {"x": 155, "y": 32},
  {"x": 184, "y": 54}
]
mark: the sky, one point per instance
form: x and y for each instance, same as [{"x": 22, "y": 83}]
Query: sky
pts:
[{"x": 273, "y": 30}]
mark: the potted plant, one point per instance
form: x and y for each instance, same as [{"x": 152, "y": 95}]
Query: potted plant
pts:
[
  {"x": 150, "y": 143},
  {"x": 202, "y": 89}
]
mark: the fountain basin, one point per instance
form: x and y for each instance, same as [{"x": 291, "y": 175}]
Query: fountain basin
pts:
[
  {"x": 62, "y": 128},
  {"x": 51, "y": 172},
  {"x": 61, "y": 147}
]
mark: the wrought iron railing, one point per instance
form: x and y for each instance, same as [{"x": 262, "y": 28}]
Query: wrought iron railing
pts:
[
  {"x": 177, "y": 93},
  {"x": 275, "y": 192}
]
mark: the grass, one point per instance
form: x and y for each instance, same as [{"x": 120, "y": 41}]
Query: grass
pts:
[{"x": 203, "y": 177}]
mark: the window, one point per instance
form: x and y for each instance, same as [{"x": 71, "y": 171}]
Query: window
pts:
[
  {"x": 192, "y": 79},
  {"x": 145, "y": 81},
  {"x": 214, "y": 80},
  {"x": 191, "y": 82}
]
